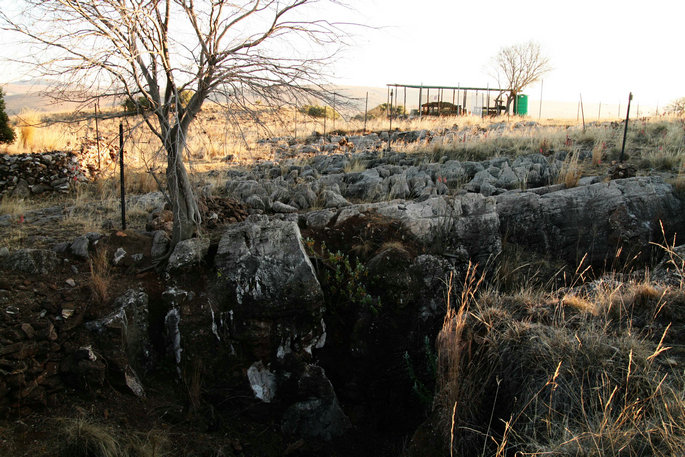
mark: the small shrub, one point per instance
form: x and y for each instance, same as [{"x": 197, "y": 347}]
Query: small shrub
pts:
[
  {"x": 100, "y": 276},
  {"x": 28, "y": 121},
  {"x": 319, "y": 112},
  {"x": 7, "y": 134},
  {"x": 344, "y": 281},
  {"x": 136, "y": 105},
  {"x": 570, "y": 172},
  {"x": 597, "y": 153},
  {"x": 80, "y": 438}
]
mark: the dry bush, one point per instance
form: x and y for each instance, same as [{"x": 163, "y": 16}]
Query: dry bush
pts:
[
  {"x": 86, "y": 438},
  {"x": 28, "y": 122},
  {"x": 100, "y": 275},
  {"x": 579, "y": 304},
  {"x": 570, "y": 172},
  {"x": 597, "y": 153},
  {"x": 81, "y": 438},
  {"x": 514, "y": 380},
  {"x": 139, "y": 182},
  {"x": 13, "y": 206}
]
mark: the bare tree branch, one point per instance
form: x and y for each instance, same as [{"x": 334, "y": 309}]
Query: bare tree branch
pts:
[
  {"x": 156, "y": 49},
  {"x": 519, "y": 66}
]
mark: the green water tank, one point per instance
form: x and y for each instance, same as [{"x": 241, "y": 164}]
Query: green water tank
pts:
[{"x": 522, "y": 104}]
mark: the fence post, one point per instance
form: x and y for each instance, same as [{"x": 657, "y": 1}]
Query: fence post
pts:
[
  {"x": 625, "y": 129},
  {"x": 97, "y": 133},
  {"x": 366, "y": 110},
  {"x": 121, "y": 171}
]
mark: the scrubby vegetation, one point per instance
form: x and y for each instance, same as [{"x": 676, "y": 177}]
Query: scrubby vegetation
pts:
[{"x": 589, "y": 370}]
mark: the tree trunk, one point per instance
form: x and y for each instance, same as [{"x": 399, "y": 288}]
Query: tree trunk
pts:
[{"x": 184, "y": 205}]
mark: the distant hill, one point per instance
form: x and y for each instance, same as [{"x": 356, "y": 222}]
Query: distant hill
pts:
[{"x": 31, "y": 95}]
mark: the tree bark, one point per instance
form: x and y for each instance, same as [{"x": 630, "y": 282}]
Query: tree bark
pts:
[{"x": 184, "y": 205}]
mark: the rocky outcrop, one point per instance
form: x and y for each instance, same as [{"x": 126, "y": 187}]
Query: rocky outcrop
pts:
[
  {"x": 596, "y": 219},
  {"x": 30, "y": 261},
  {"x": 267, "y": 307},
  {"x": 466, "y": 226}
]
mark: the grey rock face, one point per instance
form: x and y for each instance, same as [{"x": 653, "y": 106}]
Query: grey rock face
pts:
[
  {"x": 467, "y": 222},
  {"x": 79, "y": 247},
  {"x": 317, "y": 414},
  {"x": 188, "y": 253},
  {"x": 596, "y": 219},
  {"x": 332, "y": 199},
  {"x": 160, "y": 244},
  {"x": 130, "y": 319},
  {"x": 279, "y": 207},
  {"x": 365, "y": 186},
  {"x": 31, "y": 261},
  {"x": 264, "y": 268}
]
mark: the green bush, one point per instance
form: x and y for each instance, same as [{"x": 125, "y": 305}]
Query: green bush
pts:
[
  {"x": 344, "y": 282},
  {"x": 137, "y": 105},
  {"x": 7, "y": 134},
  {"x": 319, "y": 111}
]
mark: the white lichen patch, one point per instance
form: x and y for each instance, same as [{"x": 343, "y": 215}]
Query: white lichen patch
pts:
[{"x": 262, "y": 381}]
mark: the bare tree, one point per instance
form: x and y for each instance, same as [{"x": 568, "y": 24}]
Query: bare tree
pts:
[
  {"x": 518, "y": 66},
  {"x": 676, "y": 107},
  {"x": 233, "y": 52}
]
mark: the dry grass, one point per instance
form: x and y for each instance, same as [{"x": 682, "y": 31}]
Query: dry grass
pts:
[
  {"x": 13, "y": 206},
  {"x": 585, "y": 374},
  {"x": 85, "y": 438},
  {"x": 579, "y": 304},
  {"x": 570, "y": 172},
  {"x": 38, "y": 135},
  {"x": 100, "y": 276}
]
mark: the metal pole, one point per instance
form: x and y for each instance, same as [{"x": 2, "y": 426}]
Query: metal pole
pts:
[
  {"x": 405, "y": 100},
  {"x": 391, "y": 94},
  {"x": 121, "y": 174},
  {"x": 333, "y": 111},
  {"x": 366, "y": 110},
  {"x": 542, "y": 83},
  {"x": 625, "y": 129},
  {"x": 599, "y": 113},
  {"x": 420, "y": 95},
  {"x": 387, "y": 103},
  {"x": 440, "y": 101},
  {"x": 619, "y": 110},
  {"x": 97, "y": 133},
  {"x": 463, "y": 108},
  {"x": 428, "y": 98},
  {"x": 582, "y": 110}
]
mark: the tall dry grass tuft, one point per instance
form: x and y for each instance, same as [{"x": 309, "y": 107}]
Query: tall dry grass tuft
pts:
[
  {"x": 81, "y": 438},
  {"x": 100, "y": 276},
  {"x": 570, "y": 172},
  {"x": 585, "y": 374},
  {"x": 13, "y": 206},
  {"x": 28, "y": 121},
  {"x": 85, "y": 438},
  {"x": 598, "y": 153},
  {"x": 451, "y": 345}
]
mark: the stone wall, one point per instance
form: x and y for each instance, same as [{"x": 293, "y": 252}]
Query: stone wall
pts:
[{"x": 23, "y": 175}]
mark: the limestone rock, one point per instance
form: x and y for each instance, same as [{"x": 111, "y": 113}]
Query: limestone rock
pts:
[
  {"x": 188, "y": 253},
  {"x": 31, "y": 261},
  {"x": 595, "y": 219}
]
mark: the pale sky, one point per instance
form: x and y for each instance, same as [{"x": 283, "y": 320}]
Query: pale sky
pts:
[{"x": 600, "y": 48}]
